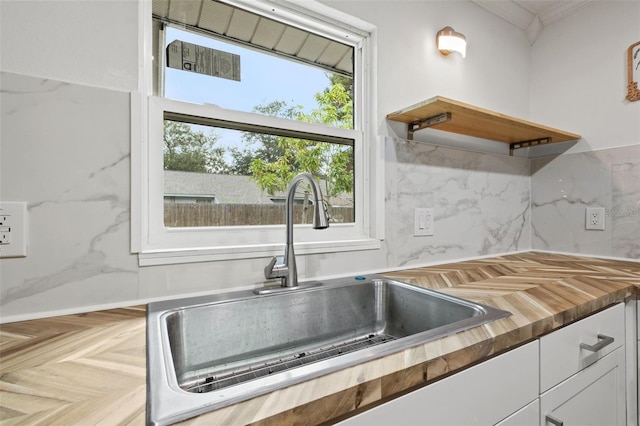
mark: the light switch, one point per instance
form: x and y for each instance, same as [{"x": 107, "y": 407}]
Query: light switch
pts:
[
  {"x": 423, "y": 222},
  {"x": 13, "y": 229}
]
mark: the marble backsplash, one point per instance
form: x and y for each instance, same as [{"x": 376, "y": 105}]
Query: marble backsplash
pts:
[
  {"x": 66, "y": 152},
  {"x": 480, "y": 201},
  {"x": 563, "y": 187}
]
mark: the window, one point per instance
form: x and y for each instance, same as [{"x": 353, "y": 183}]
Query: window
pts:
[
  {"x": 249, "y": 177},
  {"x": 242, "y": 96}
]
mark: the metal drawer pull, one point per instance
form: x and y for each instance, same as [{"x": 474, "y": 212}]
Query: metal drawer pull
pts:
[
  {"x": 553, "y": 420},
  {"x": 603, "y": 341}
]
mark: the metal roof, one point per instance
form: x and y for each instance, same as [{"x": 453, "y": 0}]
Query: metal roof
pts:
[{"x": 248, "y": 28}]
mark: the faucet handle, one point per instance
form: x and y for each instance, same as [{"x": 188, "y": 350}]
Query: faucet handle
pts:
[{"x": 276, "y": 268}]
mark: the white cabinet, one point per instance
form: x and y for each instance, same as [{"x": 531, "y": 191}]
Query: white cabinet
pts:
[
  {"x": 633, "y": 373},
  {"x": 595, "y": 396},
  {"x": 529, "y": 415},
  {"x": 582, "y": 372},
  {"x": 570, "y": 349},
  {"x": 484, "y": 394},
  {"x": 572, "y": 376}
]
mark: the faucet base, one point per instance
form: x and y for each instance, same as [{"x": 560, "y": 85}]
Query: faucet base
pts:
[{"x": 280, "y": 289}]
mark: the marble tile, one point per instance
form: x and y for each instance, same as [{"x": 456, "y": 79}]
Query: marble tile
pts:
[
  {"x": 480, "y": 202},
  {"x": 65, "y": 150},
  {"x": 170, "y": 281},
  {"x": 625, "y": 207},
  {"x": 563, "y": 186}
]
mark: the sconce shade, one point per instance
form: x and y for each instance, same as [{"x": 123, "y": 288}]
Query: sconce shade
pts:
[{"x": 450, "y": 41}]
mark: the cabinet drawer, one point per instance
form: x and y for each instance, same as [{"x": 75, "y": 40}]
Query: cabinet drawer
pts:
[
  {"x": 481, "y": 395},
  {"x": 562, "y": 353}
]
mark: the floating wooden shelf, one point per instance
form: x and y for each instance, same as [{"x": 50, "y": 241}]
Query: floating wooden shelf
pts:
[{"x": 457, "y": 117}]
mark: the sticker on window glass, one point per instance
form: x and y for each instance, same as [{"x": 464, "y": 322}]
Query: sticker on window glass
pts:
[{"x": 203, "y": 60}]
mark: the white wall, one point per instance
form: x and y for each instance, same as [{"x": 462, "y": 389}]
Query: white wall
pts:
[
  {"x": 579, "y": 75},
  {"x": 65, "y": 149},
  {"x": 495, "y": 73},
  {"x": 579, "y": 82},
  {"x": 92, "y": 42}
]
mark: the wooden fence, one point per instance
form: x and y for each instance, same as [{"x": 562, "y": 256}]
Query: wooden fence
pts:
[{"x": 178, "y": 215}]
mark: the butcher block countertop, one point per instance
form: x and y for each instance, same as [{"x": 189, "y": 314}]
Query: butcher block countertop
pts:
[{"x": 90, "y": 368}]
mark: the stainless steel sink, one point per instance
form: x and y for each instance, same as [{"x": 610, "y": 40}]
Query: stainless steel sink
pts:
[{"x": 208, "y": 352}]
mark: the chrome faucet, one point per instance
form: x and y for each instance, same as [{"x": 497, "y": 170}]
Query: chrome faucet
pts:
[{"x": 287, "y": 270}]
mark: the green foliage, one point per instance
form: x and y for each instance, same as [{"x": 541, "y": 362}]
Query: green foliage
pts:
[
  {"x": 278, "y": 159},
  {"x": 273, "y": 160},
  {"x": 262, "y": 146},
  {"x": 340, "y": 172},
  {"x": 298, "y": 155},
  {"x": 192, "y": 151},
  {"x": 335, "y": 106}
]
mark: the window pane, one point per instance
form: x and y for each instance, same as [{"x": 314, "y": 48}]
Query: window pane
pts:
[
  {"x": 253, "y": 80},
  {"x": 217, "y": 176}
]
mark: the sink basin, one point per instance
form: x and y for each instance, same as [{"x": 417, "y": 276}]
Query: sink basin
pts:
[{"x": 208, "y": 352}]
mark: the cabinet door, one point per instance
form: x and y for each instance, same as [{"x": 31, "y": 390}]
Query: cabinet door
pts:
[
  {"x": 481, "y": 395},
  {"x": 528, "y": 416},
  {"x": 595, "y": 396}
]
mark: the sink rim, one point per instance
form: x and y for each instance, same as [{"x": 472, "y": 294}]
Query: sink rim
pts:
[{"x": 167, "y": 402}]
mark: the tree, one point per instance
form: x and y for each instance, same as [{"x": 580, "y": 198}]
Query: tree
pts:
[
  {"x": 279, "y": 158},
  {"x": 335, "y": 103},
  {"x": 335, "y": 108},
  {"x": 189, "y": 150},
  {"x": 300, "y": 155},
  {"x": 259, "y": 145}
]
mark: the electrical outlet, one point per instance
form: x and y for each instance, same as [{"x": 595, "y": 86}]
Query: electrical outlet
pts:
[
  {"x": 595, "y": 218},
  {"x": 5, "y": 235},
  {"x": 13, "y": 229},
  {"x": 423, "y": 223}
]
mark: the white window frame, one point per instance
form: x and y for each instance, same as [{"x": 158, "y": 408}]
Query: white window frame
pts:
[{"x": 157, "y": 244}]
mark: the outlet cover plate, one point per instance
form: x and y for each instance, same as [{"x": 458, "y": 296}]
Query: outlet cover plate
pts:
[
  {"x": 13, "y": 225},
  {"x": 423, "y": 222},
  {"x": 594, "y": 218}
]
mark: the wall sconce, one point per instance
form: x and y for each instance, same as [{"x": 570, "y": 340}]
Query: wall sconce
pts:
[{"x": 450, "y": 41}]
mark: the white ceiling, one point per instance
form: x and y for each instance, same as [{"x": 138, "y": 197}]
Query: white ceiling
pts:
[{"x": 532, "y": 15}]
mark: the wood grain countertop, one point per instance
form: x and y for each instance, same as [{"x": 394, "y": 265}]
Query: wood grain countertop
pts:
[{"x": 90, "y": 368}]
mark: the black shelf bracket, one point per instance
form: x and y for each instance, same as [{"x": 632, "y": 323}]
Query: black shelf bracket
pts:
[
  {"x": 527, "y": 144},
  {"x": 427, "y": 122}
]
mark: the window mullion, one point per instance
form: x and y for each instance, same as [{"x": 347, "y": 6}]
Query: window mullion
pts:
[
  {"x": 251, "y": 127},
  {"x": 208, "y": 114}
]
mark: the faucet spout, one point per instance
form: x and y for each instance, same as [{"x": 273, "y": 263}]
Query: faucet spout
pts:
[{"x": 287, "y": 271}]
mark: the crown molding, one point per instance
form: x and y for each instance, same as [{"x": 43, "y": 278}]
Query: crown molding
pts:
[{"x": 530, "y": 16}]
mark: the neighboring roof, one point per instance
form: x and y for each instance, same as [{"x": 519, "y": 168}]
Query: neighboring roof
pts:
[{"x": 227, "y": 189}]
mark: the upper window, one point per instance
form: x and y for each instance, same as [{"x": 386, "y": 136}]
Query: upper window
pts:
[
  {"x": 205, "y": 67},
  {"x": 243, "y": 98}
]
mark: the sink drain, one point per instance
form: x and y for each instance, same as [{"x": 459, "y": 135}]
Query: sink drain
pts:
[{"x": 213, "y": 383}]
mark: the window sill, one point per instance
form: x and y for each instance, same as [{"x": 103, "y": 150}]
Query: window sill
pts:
[{"x": 214, "y": 254}]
